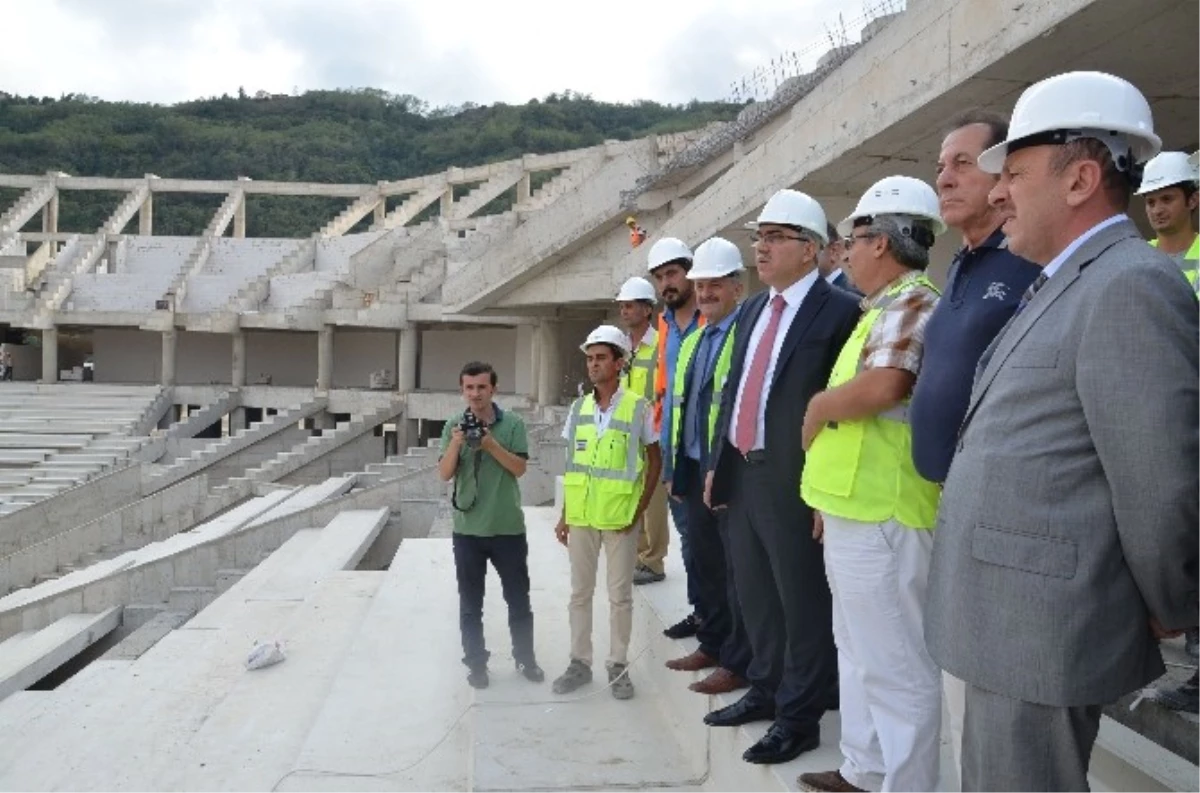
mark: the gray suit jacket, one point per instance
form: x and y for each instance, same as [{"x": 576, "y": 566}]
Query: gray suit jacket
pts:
[{"x": 1069, "y": 516}]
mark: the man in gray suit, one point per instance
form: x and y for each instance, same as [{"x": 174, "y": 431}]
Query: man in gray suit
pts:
[{"x": 1066, "y": 541}]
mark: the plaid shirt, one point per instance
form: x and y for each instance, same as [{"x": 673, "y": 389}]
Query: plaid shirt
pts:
[{"x": 897, "y": 339}]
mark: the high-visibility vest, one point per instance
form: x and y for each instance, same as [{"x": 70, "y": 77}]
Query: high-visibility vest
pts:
[
  {"x": 1191, "y": 261},
  {"x": 863, "y": 470},
  {"x": 720, "y": 376},
  {"x": 640, "y": 376},
  {"x": 605, "y": 478},
  {"x": 660, "y": 373}
]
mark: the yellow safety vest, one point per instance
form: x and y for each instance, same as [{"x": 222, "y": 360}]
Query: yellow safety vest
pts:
[
  {"x": 720, "y": 375},
  {"x": 605, "y": 478},
  {"x": 639, "y": 378},
  {"x": 863, "y": 470},
  {"x": 1191, "y": 261}
]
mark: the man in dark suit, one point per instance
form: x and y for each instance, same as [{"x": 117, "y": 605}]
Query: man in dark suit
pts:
[
  {"x": 831, "y": 260},
  {"x": 788, "y": 339}
]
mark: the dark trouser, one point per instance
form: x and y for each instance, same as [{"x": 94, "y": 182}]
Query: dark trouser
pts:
[
  {"x": 509, "y": 555},
  {"x": 779, "y": 571},
  {"x": 679, "y": 514},
  {"x": 722, "y": 635},
  {"x": 1013, "y": 745}
]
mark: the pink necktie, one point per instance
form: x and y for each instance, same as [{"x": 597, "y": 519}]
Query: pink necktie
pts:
[{"x": 747, "y": 416}]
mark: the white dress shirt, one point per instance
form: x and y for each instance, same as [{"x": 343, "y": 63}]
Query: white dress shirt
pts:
[
  {"x": 1058, "y": 260},
  {"x": 833, "y": 275},
  {"x": 793, "y": 296}
]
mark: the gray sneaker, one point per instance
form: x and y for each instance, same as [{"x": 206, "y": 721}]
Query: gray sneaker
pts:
[
  {"x": 618, "y": 679},
  {"x": 578, "y": 674},
  {"x": 644, "y": 575}
]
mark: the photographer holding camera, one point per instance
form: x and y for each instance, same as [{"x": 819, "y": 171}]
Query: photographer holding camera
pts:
[{"x": 484, "y": 450}]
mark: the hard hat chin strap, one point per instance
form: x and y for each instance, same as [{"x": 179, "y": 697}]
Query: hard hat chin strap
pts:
[{"x": 1116, "y": 143}]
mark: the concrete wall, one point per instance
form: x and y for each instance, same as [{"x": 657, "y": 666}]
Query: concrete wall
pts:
[
  {"x": 27, "y": 361},
  {"x": 349, "y": 458},
  {"x": 123, "y": 355},
  {"x": 289, "y": 358},
  {"x": 523, "y": 372},
  {"x": 202, "y": 358},
  {"x": 443, "y": 353},
  {"x": 357, "y": 353}
]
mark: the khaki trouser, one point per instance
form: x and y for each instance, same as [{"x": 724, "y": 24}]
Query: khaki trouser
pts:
[
  {"x": 654, "y": 538},
  {"x": 620, "y": 554}
]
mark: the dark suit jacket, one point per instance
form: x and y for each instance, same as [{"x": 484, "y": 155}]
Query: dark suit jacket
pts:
[
  {"x": 822, "y": 325},
  {"x": 843, "y": 282}
]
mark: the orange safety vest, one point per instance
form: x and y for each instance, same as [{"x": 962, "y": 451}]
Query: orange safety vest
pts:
[{"x": 660, "y": 371}]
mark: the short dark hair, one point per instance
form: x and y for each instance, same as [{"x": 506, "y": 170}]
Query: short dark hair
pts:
[
  {"x": 997, "y": 125},
  {"x": 831, "y": 232},
  {"x": 477, "y": 368},
  {"x": 686, "y": 264},
  {"x": 1115, "y": 182}
]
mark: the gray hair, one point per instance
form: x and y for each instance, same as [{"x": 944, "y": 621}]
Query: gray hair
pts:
[{"x": 907, "y": 250}]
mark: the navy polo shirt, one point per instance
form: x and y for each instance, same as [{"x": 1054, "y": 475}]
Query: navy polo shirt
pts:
[{"x": 983, "y": 289}]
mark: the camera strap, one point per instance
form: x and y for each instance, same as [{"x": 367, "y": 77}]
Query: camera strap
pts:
[{"x": 476, "y": 459}]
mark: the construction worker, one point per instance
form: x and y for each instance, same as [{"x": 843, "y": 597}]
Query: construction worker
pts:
[
  {"x": 636, "y": 303},
  {"x": 700, "y": 377},
  {"x": 612, "y": 453},
  {"x": 637, "y": 235},
  {"x": 874, "y": 512},
  {"x": 1169, "y": 188},
  {"x": 668, "y": 262}
]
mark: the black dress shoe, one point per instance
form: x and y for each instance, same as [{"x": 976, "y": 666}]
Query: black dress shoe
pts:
[
  {"x": 781, "y": 744},
  {"x": 744, "y": 711},
  {"x": 684, "y": 628}
]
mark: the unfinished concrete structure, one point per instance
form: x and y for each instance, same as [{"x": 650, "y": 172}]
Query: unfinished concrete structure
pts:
[{"x": 251, "y": 400}]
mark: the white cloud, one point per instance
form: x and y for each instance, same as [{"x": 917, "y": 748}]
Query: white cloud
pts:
[{"x": 446, "y": 52}]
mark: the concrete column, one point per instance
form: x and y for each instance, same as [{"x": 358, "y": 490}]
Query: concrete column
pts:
[
  {"x": 406, "y": 360},
  {"x": 550, "y": 367},
  {"x": 50, "y": 355},
  {"x": 448, "y": 201},
  {"x": 239, "y": 218},
  {"x": 535, "y": 364},
  {"x": 238, "y": 377},
  {"x": 50, "y": 215},
  {"x": 169, "y": 338},
  {"x": 325, "y": 358},
  {"x": 146, "y": 216},
  {"x": 380, "y": 211},
  {"x": 524, "y": 189}
]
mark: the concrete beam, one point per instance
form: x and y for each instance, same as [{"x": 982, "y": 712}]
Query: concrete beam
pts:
[{"x": 146, "y": 216}]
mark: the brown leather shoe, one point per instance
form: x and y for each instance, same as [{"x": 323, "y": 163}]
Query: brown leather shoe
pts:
[
  {"x": 831, "y": 781},
  {"x": 721, "y": 681},
  {"x": 692, "y": 663}
]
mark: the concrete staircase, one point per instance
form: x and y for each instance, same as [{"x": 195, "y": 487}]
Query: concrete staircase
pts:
[
  {"x": 320, "y": 444},
  {"x": 411, "y": 207},
  {"x": 562, "y": 183},
  {"x": 352, "y": 214},
  {"x": 254, "y": 293},
  {"x": 23, "y": 211},
  {"x": 244, "y": 438},
  {"x": 177, "y": 290},
  {"x": 67, "y": 253},
  {"x": 58, "y": 285},
  {"x": 569, "y": 223}
]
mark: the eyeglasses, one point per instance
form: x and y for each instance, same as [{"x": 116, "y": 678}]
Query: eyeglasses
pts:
[
  {"x": 774, "y": 238},
  {"x": 853, "y": 238}
]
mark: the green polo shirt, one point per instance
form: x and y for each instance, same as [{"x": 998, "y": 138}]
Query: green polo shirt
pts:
[{"x": 493, "y": 496}]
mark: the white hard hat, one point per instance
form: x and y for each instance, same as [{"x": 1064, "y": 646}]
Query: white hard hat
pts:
[
  {"x": 608, "y": 334},
  {"x": 668, "y": 249},
  {"x": 902, "y": 197},
  {"x": 716, "y": 258},
  {"x": 1075, "y": 105},
  {"x": 1167, "y": 169},
  {"x": 793, "y": 208},
  {"x": 637, "y": 289}
]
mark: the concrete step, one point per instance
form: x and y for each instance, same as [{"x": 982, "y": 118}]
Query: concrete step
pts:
[
  {"x": 30, "y": 656},
  {"x": 191, "y": 598}
]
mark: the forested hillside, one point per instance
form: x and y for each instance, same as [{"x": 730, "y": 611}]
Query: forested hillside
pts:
[{"x": 322, "y": 136}]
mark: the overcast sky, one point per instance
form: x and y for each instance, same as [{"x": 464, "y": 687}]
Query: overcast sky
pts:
[{"x": 443, "y": 51}]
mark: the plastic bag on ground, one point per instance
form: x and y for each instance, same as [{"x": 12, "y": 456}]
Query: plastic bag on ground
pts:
[{"x": 265, "y": 654}]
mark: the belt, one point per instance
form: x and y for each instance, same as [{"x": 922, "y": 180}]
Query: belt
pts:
[{"x": 755, "y": 457}]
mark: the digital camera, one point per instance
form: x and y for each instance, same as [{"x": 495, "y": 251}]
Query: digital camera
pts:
[{"x": 472, "y": 429}]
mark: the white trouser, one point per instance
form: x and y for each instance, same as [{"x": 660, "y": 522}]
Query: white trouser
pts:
[
  {"x": 954, "y": 692},
  {"x": 891, "y": 691}
]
